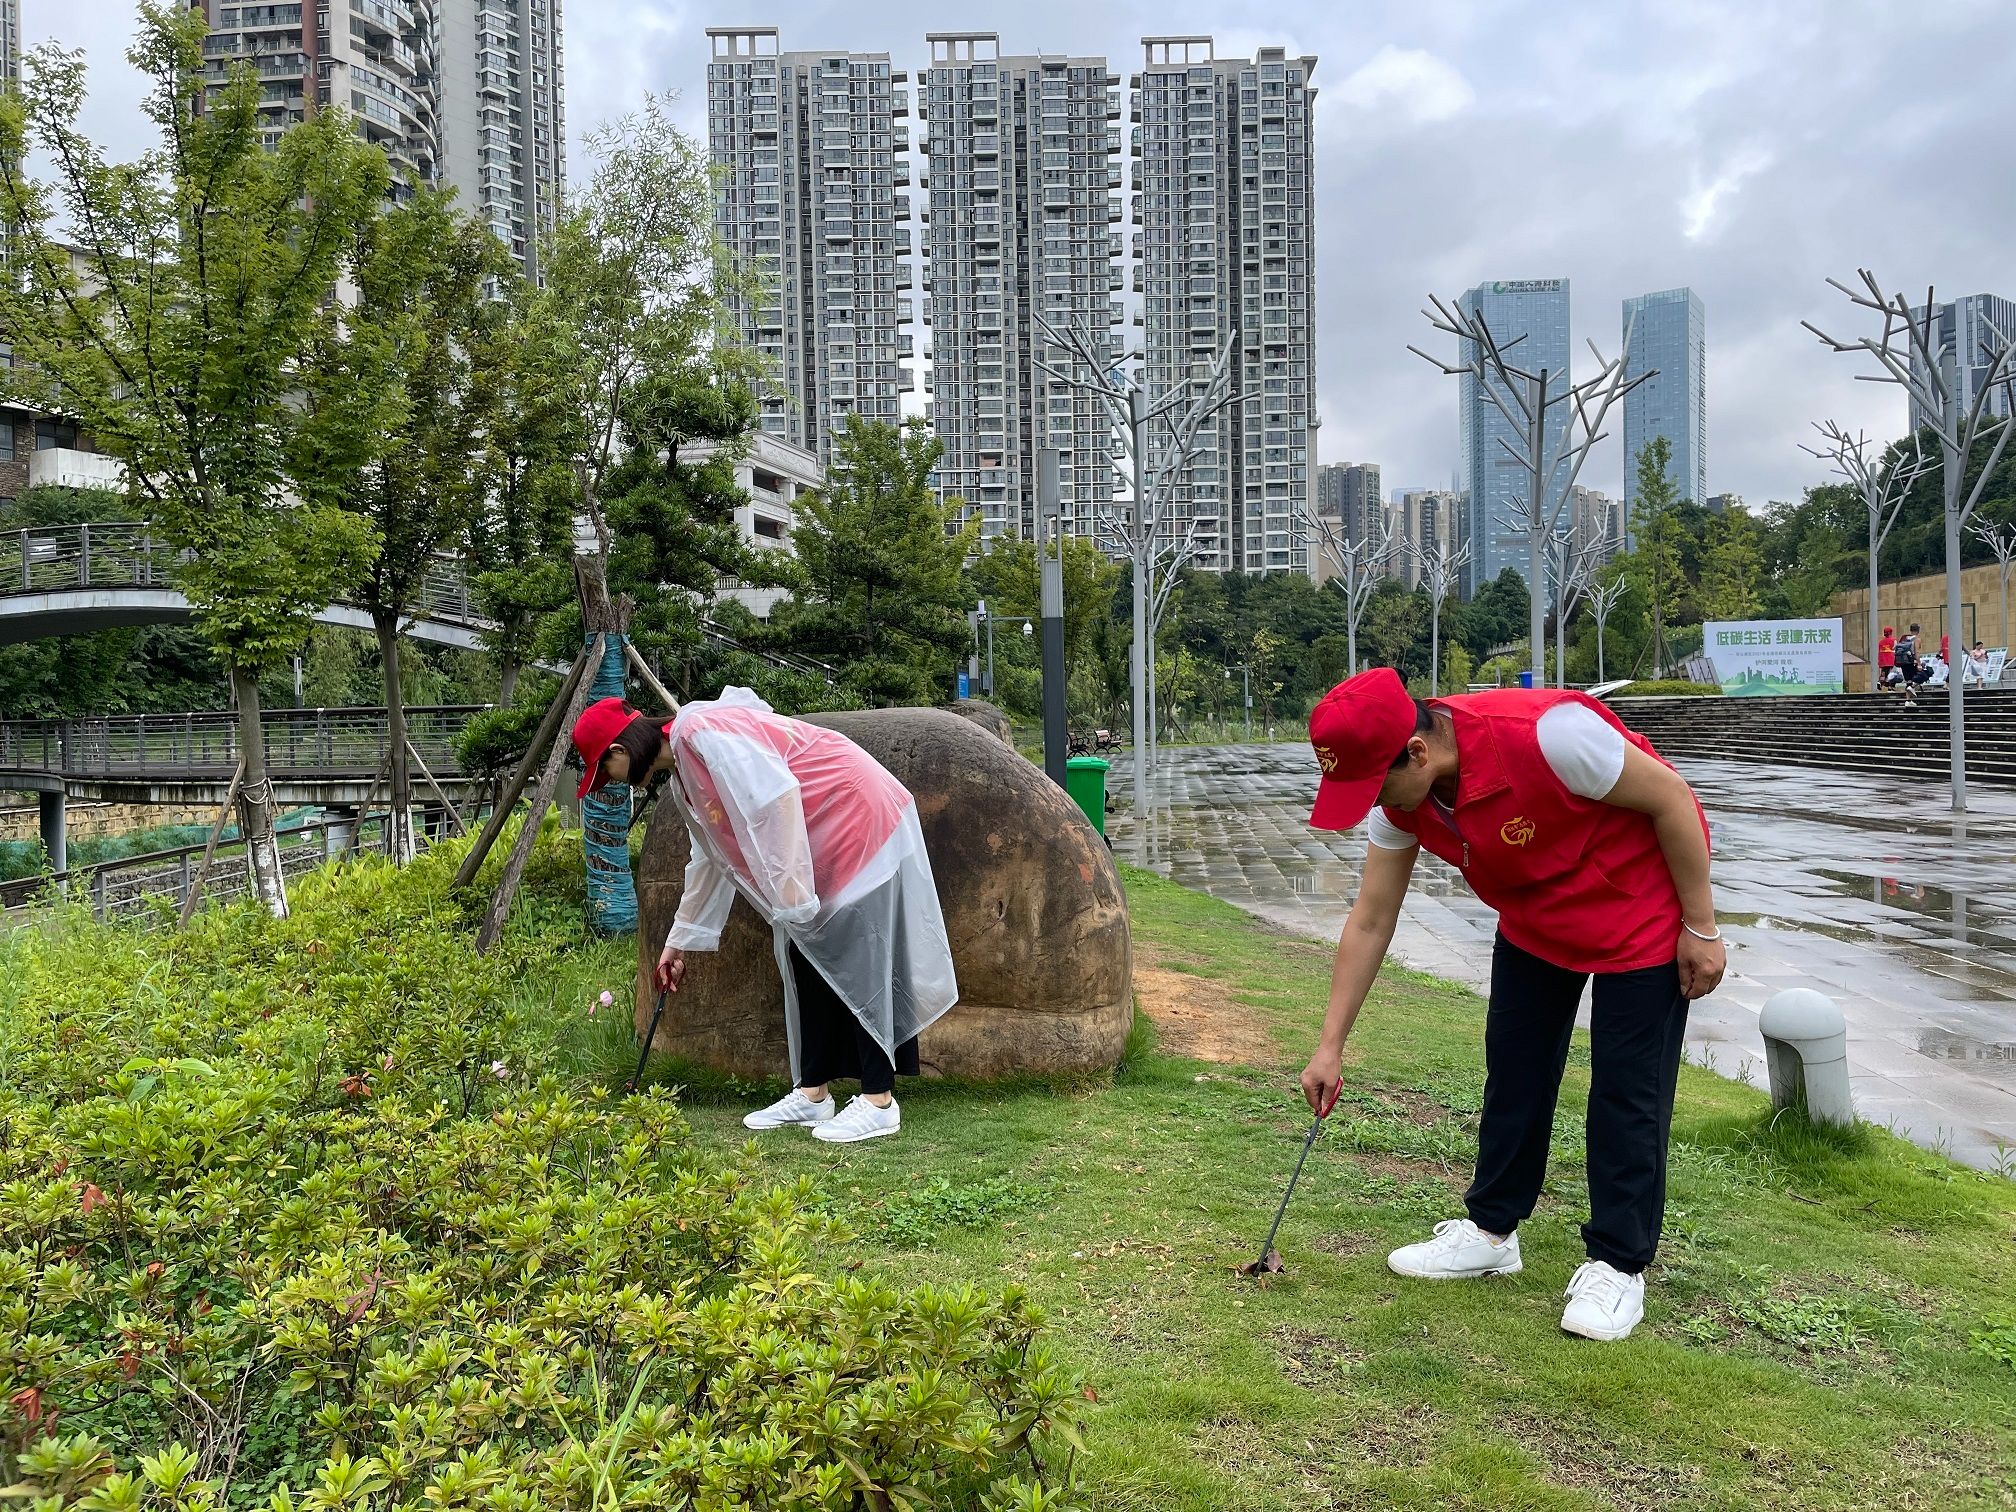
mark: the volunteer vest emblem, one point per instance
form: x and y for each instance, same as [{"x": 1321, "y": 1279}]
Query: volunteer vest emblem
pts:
[
  {"x": 1327, "y": 759},
  {"x": 1518, "y": 831}
]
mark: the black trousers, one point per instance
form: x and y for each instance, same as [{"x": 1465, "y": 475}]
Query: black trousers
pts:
[
  {"x": 832, "y": 1045},
  {"x": 1638, "y": 1021}
]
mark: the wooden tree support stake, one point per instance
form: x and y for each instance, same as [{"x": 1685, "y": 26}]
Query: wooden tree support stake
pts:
[
  {"x": 210, "y": 847},
  {"x": 527, "y": 764},
  {"x": 643, "y": 669},
  {"x": 446, "y": 802},
  {"x": 542, "y": 795}
]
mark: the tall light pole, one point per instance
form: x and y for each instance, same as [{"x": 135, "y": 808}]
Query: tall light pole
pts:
[
  {"x": 1907, "y": 355},
  {"x": 1050, "y": 595},
  {"x": 1533, "y": 402}
]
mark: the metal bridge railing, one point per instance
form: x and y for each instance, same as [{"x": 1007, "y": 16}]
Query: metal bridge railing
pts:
[
  {"x": 53, "y": 558},
  {"x": 299, "y": 743}
]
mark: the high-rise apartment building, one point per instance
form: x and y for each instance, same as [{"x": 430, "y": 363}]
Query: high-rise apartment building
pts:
[
  {"x": 501, "y": 103},
  {"x": 1962, "y": 331},
  {"x": 1023, "y": 161},
  {"x": 10, "y": 41},
  {"x": 1667, "y": 333},
  {"x": 465, "y": 94},
  {"x": 1223, "y": 180},
  {"x": 1595, "y": 522},
  {"x": 809, "y": 157},
  {"x": 1493, "y": 485},
  {"x": 1427, "y": 520},
  {"x": 1349, "y": 493}
]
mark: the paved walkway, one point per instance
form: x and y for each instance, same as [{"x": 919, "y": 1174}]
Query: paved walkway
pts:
[{"x": 1907, "y": 919}]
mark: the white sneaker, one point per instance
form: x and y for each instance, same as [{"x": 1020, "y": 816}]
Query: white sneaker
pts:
[
  {"x": 1603, "y": 1302},
  {"x": 792, "y": 1108},
  {"x": 861, "y": 1120},
  {"x": 1458, "y": 1250}
]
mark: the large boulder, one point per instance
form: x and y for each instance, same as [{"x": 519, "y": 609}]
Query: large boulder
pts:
[{"x": 1032, "y": 903}]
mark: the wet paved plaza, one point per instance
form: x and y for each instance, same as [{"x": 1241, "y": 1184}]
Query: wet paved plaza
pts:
[{"x": 1868, "y": 890}]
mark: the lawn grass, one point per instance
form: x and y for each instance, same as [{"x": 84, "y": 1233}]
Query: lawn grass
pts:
[{"x": 1821, "y": 1326}]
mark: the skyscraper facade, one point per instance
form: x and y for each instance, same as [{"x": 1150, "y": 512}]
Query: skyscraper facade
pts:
[
  {"x": 1023, "y": 158},
  {"x": 463, "y": 94},
  {"x": 1961, "y": 332},
  {"x": 1667, "y": 336},
  {"x": 501, "y": 101},
  {"x": 1493, "y": 484},
  {"x": 1349, "y": 493},
  {"x": 1223, "y": 178},
  {"x": 809, "y": 156}
]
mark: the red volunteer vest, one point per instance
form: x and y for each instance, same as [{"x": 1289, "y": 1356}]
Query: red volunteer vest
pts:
[{"x": 1576, "y": 882}]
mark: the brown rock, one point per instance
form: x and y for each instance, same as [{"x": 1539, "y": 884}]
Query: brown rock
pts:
[
  {"x": 1032, "y": 904},
  {"x": 986, "y": 715}
]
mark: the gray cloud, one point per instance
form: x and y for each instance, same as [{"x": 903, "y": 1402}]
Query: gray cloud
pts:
[{"x": 1749, "y": 148}]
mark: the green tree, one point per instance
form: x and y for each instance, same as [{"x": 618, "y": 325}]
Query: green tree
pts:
[
  {"x": 1655, "y": 554},
  {"x": 1497, "y": 616},
  {"x": 521, "y": 542},
  {"x": 672, "y": 514},
  {"x": 182, "y": 331},
  {"x": 1731, "y": 566},
  {"x": 880, "y": 589},
  {"x": 1808, "y": 589},
  {"x": 401, "y": 365}
]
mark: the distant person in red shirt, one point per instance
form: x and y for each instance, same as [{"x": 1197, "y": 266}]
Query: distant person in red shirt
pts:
[
  {"x": 1595, "y": 854},
  {"x": 1886, "y": 657}
]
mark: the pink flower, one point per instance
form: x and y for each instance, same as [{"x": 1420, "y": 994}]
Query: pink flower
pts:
[
  {"x": 499, "y": 1070},
  {"x": 387, "y": 1063},
  {"x": 607, "y": 998}
]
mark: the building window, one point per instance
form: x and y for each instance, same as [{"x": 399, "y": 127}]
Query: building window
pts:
[{"x": 54, "y": 433}]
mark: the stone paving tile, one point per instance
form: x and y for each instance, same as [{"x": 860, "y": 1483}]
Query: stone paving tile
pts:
[{"x": 1906, "y": 914}]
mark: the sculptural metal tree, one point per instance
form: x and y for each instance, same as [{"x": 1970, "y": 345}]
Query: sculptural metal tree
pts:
[
  {"x": 1883, "y": 489},
  {"x": 1159, "y": 440},
  {"x": 1557, "y": 423},
  {"x": 1906, "y": 353},
  {"x": 1602, "y": 599},
  {"x": 1357, "y": 565},
  {"x": 1439, "y": 567}
]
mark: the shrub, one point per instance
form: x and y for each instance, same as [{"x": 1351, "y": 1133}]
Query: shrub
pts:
[
  {"x": 297, "y": 1214},
  {"x": 1668, "y": 688}
]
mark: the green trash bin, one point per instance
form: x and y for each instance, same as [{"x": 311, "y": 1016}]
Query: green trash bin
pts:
[{"x": 1085, "y": 781}]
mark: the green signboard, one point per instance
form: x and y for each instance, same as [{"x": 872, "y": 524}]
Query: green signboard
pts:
[{"x": 1772, "y": 658}]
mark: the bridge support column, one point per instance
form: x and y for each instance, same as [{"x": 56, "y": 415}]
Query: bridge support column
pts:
[
  {"x": 55, "y": 815},
  {"x": 340, "y": 838}
]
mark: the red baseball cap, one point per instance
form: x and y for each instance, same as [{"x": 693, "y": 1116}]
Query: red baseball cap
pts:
[
  {"x": 1357, "y": 730},
  {"x": 594, "y": 732}
]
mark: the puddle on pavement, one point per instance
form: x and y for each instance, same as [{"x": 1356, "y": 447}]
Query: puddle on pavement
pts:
[{"x": 1944, "y": 1044}]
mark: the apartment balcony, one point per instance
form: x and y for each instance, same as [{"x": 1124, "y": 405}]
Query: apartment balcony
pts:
[
  {"x": 901, "y": 108},
  {"x": 1114, "y": 213},
  {"x": 66, "y": 467}
]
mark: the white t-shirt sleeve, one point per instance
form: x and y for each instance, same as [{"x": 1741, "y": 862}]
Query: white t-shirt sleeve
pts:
[
  {"x": 1384, "y": 833},
  {"x": 1583, "y": 751}
]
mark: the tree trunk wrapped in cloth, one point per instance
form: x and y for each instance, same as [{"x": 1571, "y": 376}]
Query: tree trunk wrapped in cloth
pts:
[{"x": 1031, "y": 901}]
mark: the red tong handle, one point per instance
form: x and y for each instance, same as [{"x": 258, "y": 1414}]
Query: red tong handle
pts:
[{"x": 1331, "y": 1102}]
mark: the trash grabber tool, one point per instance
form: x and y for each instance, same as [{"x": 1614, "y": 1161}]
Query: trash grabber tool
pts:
[
  {"x": 1269, "y": 1262},
  {"x": 649, "y": 1035}
]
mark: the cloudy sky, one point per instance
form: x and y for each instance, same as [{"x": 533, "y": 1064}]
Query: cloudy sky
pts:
[{"x": 1748, "y": 148}]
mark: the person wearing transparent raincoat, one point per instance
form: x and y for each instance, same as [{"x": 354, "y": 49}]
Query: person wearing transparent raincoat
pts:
[{"x": 824, "y": 843}]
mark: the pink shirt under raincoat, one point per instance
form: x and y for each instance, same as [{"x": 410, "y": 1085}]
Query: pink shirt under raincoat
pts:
[{"x": 824, "y": 843}]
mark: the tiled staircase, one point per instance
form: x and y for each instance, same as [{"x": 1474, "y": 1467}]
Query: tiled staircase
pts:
[{"x": 1870, "y": 733}]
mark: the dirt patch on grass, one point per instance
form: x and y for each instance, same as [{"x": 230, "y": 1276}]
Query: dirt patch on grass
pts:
[
  {"x": 1196, "y": 1018},
  {"x": 1400, "y": 1167},
  {"x": 1310, "y": 1357},
  {"x": 1588, "y": 1464},
  {"x": 1414, "y": 1106},
  {"x": 1348, "y": 1244}
]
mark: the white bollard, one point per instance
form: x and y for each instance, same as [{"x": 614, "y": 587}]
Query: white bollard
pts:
[{"x": 1806, "y": 1045}]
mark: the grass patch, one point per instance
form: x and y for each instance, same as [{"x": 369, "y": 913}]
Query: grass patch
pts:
[{"x": 1830, "y": 1323}]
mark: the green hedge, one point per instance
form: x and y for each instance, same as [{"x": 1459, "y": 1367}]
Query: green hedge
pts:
[
  {"x": 1668, "y": 689},
  {"x": 311, "y": 1213}
]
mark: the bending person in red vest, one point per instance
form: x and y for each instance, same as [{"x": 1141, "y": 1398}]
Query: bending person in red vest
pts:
[
  {"x": 1595, "y": 853},
  {"x": 824, "y": 844}
]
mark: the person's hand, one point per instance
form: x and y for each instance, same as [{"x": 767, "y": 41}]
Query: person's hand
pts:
[
  {"x": 1323, "y": 1079},
  {"x": 671, "y": 969},
  {"x": 1702, "y": 963}
]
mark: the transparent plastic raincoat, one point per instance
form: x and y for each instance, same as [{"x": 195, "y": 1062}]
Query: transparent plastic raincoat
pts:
[{"x": 825, "y": 845}]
